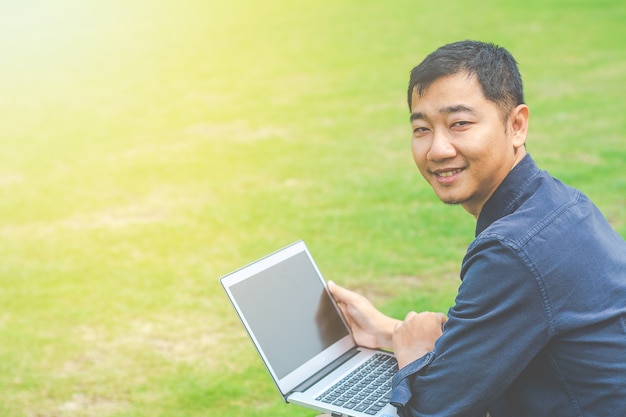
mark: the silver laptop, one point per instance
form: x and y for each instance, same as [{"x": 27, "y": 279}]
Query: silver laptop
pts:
[{"x": 303, "y": 339}]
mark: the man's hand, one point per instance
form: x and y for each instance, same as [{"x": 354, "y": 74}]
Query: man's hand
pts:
[
  {"x": 416, "y": 336},
  {"x": 370, "y": 328}
]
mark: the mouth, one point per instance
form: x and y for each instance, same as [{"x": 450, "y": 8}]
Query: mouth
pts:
[
  {"x": 450, "y": 173},
  {"x": 444, "y": 173},
  {"x": 447, "y": 175}
]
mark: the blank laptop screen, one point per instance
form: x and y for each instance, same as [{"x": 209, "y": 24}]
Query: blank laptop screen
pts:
[{"x": 289, "y": 313}]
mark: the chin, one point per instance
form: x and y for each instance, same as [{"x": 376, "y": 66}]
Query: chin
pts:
[{"x": 452, "y": 200}]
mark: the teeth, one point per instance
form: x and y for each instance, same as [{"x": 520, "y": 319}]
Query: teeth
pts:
[{"x": 448, "y": 173}]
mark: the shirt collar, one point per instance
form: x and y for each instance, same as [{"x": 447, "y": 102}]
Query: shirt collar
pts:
[{"x": 507, "y": 197}]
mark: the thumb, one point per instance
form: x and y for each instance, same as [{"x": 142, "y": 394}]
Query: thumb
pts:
[
  {"x": 341, "y": 294},
  {"x": 331, "y": 287}
]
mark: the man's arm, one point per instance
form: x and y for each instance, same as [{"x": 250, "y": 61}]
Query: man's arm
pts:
[
  {"x": 416, "y": 336},
  {"x": 410, "y": 339},
  {"x": 497, "y": 326}
]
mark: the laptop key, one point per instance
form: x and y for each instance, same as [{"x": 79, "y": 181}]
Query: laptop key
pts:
[{"x": 367, "y": 389}]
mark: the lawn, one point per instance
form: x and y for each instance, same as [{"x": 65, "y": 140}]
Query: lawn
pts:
[{"x": 150, "y": 147}]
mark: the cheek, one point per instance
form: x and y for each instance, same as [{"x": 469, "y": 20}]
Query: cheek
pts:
[{"x": 419, "y": 151}]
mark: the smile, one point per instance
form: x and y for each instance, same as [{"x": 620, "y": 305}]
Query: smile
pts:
[{"x": 445, "y": 174}]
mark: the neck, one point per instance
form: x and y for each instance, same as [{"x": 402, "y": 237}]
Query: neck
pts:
[{"x": 519, "y": 154}]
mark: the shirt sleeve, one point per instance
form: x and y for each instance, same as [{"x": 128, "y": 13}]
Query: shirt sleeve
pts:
[{"x": 499, "y": 322}]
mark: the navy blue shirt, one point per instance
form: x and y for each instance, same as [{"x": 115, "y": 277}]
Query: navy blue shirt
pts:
[{"x": 538, "y": 327}]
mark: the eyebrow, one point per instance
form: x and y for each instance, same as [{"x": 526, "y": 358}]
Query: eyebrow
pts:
[
  {"x": 460, "y": 108},
  {"x": 417, "y": 116}
]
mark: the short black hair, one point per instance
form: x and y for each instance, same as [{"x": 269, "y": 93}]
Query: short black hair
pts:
[{"x": 494, "y": 67}]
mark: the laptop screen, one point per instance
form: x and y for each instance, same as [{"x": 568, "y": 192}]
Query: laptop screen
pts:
[{"x": 289, "y": 312}]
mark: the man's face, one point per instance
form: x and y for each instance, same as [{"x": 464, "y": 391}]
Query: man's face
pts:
[{"x": 461, "y": 144}]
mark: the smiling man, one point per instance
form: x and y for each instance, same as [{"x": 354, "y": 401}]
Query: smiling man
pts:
[
  {"x": 538, "y": 327},
  {"x": 463, "y": 143}
]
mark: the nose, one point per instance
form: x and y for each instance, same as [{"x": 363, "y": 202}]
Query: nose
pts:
[{"x": 440, "y": 148}]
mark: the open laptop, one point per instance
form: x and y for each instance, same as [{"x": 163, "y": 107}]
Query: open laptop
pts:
[{"x": 303, "y": 339}]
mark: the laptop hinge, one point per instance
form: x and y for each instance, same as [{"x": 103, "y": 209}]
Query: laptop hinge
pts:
[{"x": 309, "y": 382}]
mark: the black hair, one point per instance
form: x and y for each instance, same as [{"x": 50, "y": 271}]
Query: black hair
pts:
[{"x": 494, "y": 67}]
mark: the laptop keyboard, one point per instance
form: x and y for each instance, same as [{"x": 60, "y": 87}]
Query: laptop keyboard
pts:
[{"x": 366, "y": 389}]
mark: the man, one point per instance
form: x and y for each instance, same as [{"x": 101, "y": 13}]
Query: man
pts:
[{"x": 538, "y": 327}]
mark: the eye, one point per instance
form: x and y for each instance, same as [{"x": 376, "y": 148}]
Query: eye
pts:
[
  {"x": 420, "y": 131},
  {"x": 461, "y": 125}
]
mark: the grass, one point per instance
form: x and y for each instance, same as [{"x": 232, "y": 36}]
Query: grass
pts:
[{"x": 151, "y": 147}]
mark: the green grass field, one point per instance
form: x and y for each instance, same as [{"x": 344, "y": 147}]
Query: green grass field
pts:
[{"x": 149, "y": 147}]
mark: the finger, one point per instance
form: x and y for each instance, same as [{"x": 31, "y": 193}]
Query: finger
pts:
[
  {"x": 410, "y": 315},
  {"x": 443, "y": 318},
  {"x": 397, "y": 326},
  {"x": 341, "y": 294},
  {"x": 331, "y": 286}
]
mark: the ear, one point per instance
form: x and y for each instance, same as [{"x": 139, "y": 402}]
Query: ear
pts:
[{"x": 518, "y": 120}]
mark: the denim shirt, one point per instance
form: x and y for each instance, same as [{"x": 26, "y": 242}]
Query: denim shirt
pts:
[{"x": 538, "y": 327}]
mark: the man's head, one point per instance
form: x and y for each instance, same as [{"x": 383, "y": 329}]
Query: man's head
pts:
[
  {"x": 493, "y": 66},
  {"x": 469, "y": 121}
]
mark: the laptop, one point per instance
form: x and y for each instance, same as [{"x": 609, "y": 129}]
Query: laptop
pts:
[{"x": 304, "y": 341}]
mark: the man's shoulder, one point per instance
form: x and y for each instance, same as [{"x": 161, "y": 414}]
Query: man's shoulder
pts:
[{"x": 547, "y": 203}]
